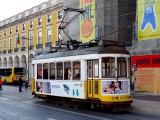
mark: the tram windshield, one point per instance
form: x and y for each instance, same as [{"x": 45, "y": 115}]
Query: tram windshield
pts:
[
  {"x": 109, "y": 70},
  {"x": 108, "y": 67}
]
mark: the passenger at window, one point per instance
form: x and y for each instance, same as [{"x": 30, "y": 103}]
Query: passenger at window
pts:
[
  {"x": 66, "y": 74},
  {"x": 70, "y": 76}
]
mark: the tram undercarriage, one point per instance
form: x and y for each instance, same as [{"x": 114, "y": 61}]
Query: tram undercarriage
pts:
[{"x": 94, "y": 104}]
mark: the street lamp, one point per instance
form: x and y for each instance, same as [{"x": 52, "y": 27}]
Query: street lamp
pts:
[{"x": 26, "y": 83}]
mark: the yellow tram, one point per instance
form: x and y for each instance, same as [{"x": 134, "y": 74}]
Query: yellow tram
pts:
[{"x": 96, "y": 74}]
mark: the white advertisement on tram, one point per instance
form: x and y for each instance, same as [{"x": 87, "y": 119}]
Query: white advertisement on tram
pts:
[
  {"x": 65, "y": 89},
  {"x": 115, "y": 87}
]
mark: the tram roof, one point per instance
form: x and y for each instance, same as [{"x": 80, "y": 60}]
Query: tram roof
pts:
[{"x": 84, "y": 51}]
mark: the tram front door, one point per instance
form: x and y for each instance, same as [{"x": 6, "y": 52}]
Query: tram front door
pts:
[{"x": 93, "y": 81}]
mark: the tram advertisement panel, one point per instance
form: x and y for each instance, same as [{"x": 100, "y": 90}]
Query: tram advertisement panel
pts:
[
  {"x": 65, "y": 89},
  {"x": 115, "y": 87},
  {"x": 87, "y": 20},
  {"x": 43, "y": 87}
]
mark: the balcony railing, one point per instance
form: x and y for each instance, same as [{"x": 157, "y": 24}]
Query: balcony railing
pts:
[
  {"x": 38, "y": 46},
  {"x": 23, "y": 48},
  {"x": 48, "y": 44},
  {"x": 16, "y": 49},
  {"x": 4, "y": 51},
  {"x": 31, "y": 47},
  {"x": 10, "y": 51}
]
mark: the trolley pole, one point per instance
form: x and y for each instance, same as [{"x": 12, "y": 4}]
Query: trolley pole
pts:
[{"x": 27, "y": 82}]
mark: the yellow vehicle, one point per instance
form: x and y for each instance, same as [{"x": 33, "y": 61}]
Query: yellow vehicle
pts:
[
  {"x": 94, "y": 74},
  {"x": 10, "y": 75}
]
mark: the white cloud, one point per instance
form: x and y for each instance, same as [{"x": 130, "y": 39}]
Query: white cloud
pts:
[{"x": 10, "y": 8}]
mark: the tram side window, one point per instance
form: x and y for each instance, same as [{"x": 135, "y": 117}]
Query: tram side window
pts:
[
  {"x": 67, "y": 71},
  {"x": 76, "y": 70},
  {"x": 52, "y": 71},
  {"x": 96, "y": 68},
  {"x": 108, "y": 67},
  {"x": 122, "y": 67},
  {"x": 59, "y": 66},
  {"x": 39, "y": 71},
  {"x": 90, "y": 69},
  {"x": 45, "y": 71}
]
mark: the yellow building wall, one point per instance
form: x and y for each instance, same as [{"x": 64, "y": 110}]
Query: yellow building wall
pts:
[
  {"x": 13, "y": 38},
  {"x": 7, "y": 39},
  {"x": 2, "y": 40},
  {"x": 35, "y": 37},
  {"x": 44, "y": 35},
  {"x": 54, "y": 28},
  {"x": 27, "y": 35},
  {"x": 54, "y": 33},
  {"x": 20, "y": 35}
]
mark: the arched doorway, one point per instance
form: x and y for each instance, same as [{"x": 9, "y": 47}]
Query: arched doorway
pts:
[
  {"x": 16, "y": 61},
  {"x": 10, "y": 62},
  {"x": 4, "y": 62},
  {"x": 24, "y": 61}
]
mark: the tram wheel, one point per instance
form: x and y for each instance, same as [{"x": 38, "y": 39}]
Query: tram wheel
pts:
[{"x": 111, "y": 108}]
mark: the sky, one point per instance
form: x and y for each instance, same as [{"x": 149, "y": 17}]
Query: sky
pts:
[{"x": 10, "y": 8}]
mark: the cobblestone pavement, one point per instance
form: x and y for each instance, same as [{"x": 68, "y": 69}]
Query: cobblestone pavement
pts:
[{"x": 22, "y": 106}]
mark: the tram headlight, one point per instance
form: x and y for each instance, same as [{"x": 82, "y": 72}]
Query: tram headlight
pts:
[{"x": 121, "y": 98}]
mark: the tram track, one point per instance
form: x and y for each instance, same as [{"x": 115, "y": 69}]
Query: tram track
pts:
[{"x": 25, "y": 97}]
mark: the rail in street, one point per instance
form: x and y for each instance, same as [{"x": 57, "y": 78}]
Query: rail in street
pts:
[{"x": 16, "y": 105}]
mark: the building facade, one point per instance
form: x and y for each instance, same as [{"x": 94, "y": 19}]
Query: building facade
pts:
[
  {"x": 39, "y": 29},
  {"x": 110, "y": 17},
  {"x": 145, "y": 48}
]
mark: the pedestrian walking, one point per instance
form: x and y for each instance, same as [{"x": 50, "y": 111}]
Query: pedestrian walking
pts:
[{"x": 20, "y": 83}]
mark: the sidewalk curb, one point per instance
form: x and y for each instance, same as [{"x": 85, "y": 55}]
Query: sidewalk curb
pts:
[{"x": 145, "y": 109}]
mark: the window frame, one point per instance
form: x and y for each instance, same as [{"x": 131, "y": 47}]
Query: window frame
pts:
[
  {"x": 73, "y": 67},
  {"x": 45, "y": 70},
  {"x": 69, "y": 68},
  {"x": 49, "y": 35},
  {"x": 60, "y": 15},
  {"x": 31, "y": 39},
  {"x": 41, "y": 71},
  {"x": 31, "y": 24},
  {"x": 23, "y": 42},
  {"x": 110, "y": 68},
  {"x": 10, "y": 43},
  {"x": 57, "y": 68},
  {"x": 16, "y": 29},
  {"x": 10, "y": 31},
  {"x": 39, "y": 21},
  {"x": 49, "y": 18},
  {"x": 4, "y": 32},
  {"x": 119, "y": 65},
  {"x": 23, "y": 26},
  {"x": 50, "y": 67},
  {"x": 39, "y": 37}
]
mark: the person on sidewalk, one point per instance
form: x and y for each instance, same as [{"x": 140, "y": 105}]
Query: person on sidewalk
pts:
[
  {"x": 26, "y": 85},
  {"x": 20, "y": 83}
]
